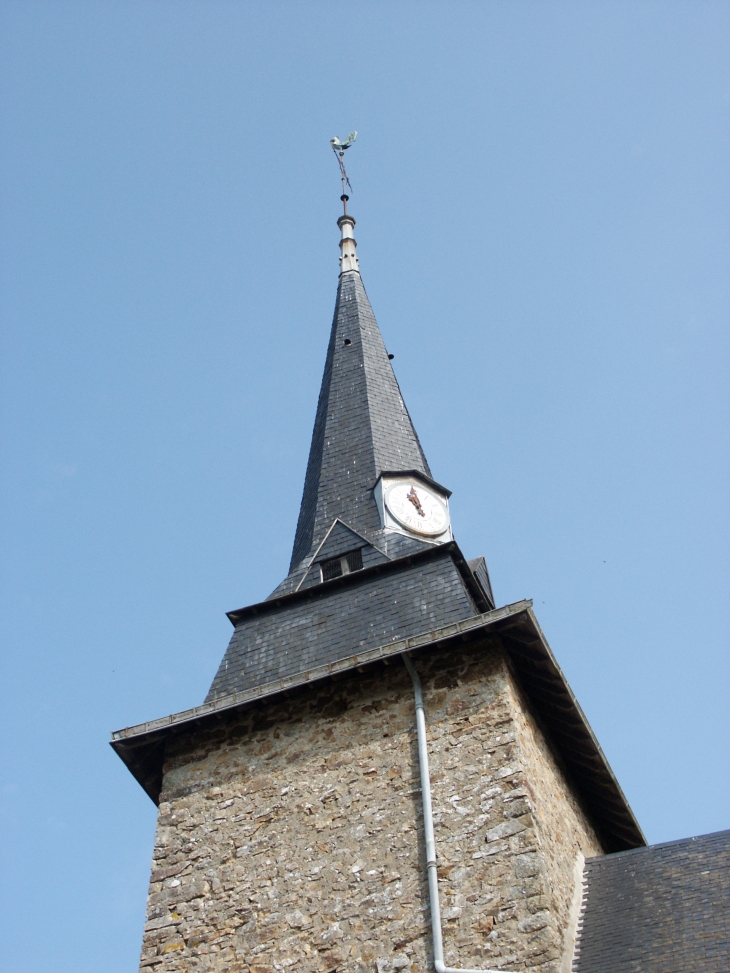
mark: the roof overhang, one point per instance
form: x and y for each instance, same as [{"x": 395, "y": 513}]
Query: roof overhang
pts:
[
  {"x": 142, "y": 747},
  {"x": 415, "y": 474}
]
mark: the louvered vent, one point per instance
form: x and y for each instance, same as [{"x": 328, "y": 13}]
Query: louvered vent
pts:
[{"x": 338, "y": 566}]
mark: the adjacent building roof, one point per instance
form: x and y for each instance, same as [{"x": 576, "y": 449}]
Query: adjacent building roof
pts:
[{"x": 660, "y": 909}]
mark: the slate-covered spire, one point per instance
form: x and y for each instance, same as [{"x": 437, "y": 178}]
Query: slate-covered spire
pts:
[{"x": 362, "y": 426}]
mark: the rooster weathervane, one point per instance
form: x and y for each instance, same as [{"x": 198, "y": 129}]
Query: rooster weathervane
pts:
[{"x": 339, "y": 149}]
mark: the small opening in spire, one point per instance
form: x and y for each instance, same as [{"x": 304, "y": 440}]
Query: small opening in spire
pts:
[
  {"x": 347, "y": 341},
  {"x": 337, "y": 566}
]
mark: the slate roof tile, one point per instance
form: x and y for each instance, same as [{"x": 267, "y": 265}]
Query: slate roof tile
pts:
[
  {"x": 337, "y": 621},
  {"x": 362, "y": 426},
  {"x": 657, "y": 909}
]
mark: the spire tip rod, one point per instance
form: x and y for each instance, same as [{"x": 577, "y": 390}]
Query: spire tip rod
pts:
[
  {"x": 346, "y": 223},
  {"x": 339, "y": 149}
]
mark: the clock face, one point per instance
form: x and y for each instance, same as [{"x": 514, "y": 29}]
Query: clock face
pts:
[{"x": 416, "y": 508}]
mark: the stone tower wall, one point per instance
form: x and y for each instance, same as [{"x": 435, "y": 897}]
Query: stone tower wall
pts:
[{"x": 290, "y": 836}]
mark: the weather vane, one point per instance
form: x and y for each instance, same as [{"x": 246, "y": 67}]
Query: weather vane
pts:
[{"x": 339, "y": 150}]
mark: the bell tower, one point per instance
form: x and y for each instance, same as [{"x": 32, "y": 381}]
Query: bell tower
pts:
[{"x": 389, "y": 772}]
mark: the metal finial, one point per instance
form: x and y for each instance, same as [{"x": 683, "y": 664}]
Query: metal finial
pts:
[{"x": 339, "y": 150}]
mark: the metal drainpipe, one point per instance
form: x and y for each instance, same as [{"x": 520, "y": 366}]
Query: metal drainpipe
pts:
[{"x": 433, "y": 881}]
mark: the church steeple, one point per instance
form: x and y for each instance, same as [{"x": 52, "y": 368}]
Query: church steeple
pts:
[
  {"x": 362, "y": 426},
  {"x": 299, "y": 769}
]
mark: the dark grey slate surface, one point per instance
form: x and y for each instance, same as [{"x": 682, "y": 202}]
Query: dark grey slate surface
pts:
[
  {"x": 361, "y": 427},
  {"x": 660, "y": 909},
  {"x": 340, "y": 540},
  {"x": 399, "y": 545},
  {"x": 478, "y": 566},
  {"x": 339, "y": 619}
]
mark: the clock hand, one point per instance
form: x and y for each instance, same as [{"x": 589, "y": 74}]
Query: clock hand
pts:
[{"x": 413, "y": 497}]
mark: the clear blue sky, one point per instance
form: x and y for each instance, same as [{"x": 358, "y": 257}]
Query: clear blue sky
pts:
[{"x": 542, "y": 199}]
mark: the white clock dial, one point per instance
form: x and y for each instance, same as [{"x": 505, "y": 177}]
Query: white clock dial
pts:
[{"x": 416, "y": 508}]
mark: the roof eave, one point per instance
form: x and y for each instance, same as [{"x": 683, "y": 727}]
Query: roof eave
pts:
[
  {"x": 418, "y": 475},
  {"x": 142, "y": 747}
]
